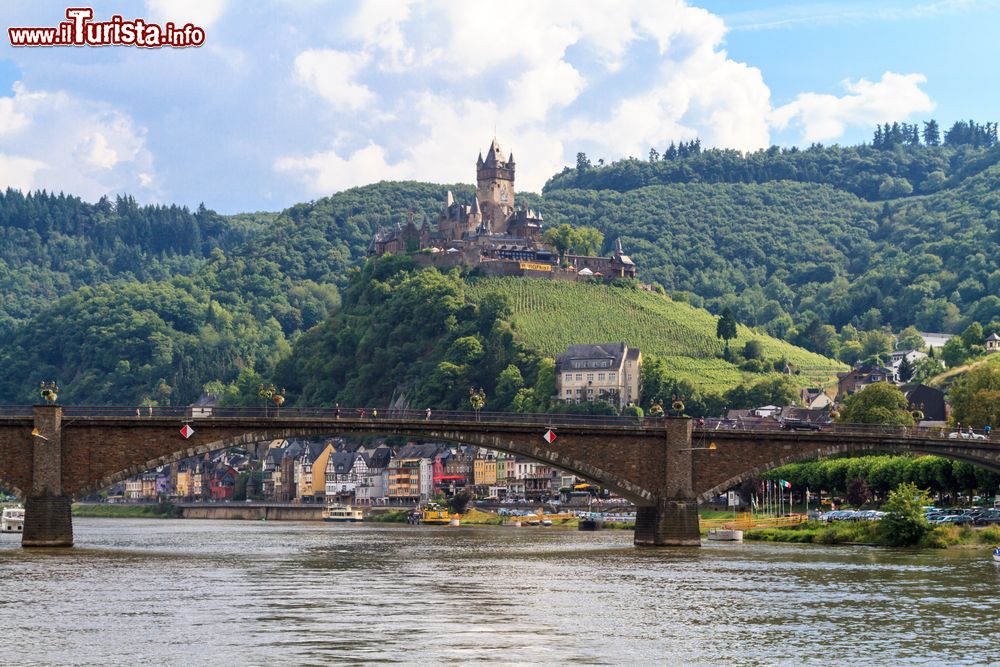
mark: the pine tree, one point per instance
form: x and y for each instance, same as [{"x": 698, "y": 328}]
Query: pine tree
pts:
[{"x": 932, "y": 134}]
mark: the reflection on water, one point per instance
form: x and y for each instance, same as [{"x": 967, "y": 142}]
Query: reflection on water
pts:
[{"x": 218, "y": 592}]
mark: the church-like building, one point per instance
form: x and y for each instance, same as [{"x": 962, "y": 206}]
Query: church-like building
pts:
[{"x": 492, "y": 232}]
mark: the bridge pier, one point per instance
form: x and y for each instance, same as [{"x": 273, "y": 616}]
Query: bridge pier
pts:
[
  {"x": 47, "y": 518},
  {"x": 673, "y": 522}
]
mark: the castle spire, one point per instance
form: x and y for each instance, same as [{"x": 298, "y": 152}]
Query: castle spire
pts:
[
  {"x": 449, "y": 201},
  {"x": 618, "y": 247},
  {"x": 494, "y": 153}
]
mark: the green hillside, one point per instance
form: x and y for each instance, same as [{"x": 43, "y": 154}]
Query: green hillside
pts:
[{"x": 549, "y": 315}]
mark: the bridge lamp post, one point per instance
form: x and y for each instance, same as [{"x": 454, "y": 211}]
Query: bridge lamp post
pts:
[{"x": 49, "y": 391}]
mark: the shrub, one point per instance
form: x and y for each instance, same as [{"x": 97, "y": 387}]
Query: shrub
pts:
[{"x": 904, "y": 523}]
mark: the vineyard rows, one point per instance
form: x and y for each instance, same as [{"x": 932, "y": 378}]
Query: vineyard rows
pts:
[{"x": 550, "y": 315}]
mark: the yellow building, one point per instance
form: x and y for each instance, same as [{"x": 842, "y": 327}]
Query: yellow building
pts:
[
  {"x": 606, "y": 372},
  {"x": 317, "y": 481},
  {"x": 183, "y": 483},
  {"x": 484, "y": 470}
]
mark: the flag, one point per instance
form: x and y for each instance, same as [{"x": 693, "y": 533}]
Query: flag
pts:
[{"x": 785, "y": 484}]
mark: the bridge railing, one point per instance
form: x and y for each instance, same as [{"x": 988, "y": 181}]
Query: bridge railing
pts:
[
  {"x": 353, "y": 414},
  {"x": 347, "y": 414},
  {"x": 766, "y": 424}
]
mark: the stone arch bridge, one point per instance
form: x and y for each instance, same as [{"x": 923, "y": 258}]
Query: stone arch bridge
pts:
[{"x": 49, "y": 454}]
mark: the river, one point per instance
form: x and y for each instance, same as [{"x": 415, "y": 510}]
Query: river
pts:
[{"x": 176, "y": 592}]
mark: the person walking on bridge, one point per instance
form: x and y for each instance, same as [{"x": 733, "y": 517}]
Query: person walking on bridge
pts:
[
  {"x": 336, "y": 412},
  {"x": 428, "y": 417},
  {"x": 374, "y": 413}
]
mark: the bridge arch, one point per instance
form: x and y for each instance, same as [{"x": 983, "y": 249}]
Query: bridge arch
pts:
[
  {"x": 574, "y": 465},
  {"x": 984, "y": 458}
]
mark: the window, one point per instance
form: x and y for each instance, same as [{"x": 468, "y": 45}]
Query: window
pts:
[
  {"x": 579, "y": 377},
  {"x": 590, "y": 377},
  {"x": 628, "y": 377},
  {"x": 611, "y": 377},
  {"x": 569, "y": 392},
  {"x": 600, "y": 377},
  {"x": 569, "y": 377}
]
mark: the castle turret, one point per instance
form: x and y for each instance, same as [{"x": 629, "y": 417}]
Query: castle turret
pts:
[{"x": 495, "y": 188}]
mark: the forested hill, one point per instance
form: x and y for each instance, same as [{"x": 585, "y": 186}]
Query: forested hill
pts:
[
  {"x": 799, "y": 243},
  {"x": 901, "y": 160}
]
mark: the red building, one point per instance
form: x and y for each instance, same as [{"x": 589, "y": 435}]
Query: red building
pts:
[{"x": 223, "y": 484}]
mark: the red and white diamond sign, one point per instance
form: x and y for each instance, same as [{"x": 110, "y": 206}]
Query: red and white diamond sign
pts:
[
  {"x": 550, "y": 436},
  {"x": 187, "y": 431}
]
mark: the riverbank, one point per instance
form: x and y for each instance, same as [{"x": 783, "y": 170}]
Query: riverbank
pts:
[
  {"x": 126, "y": 511},
  {"x": 867, "y": 532}
]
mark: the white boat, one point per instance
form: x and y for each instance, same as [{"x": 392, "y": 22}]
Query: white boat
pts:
[
  {"x": 12, "y": 520},
  {"x": 725, "y": 535},
  {"x": 342, "y": 514}
]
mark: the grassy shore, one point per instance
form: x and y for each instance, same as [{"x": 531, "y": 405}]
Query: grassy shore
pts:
[
  {"x": 867, "y": 532},
  {"x": 152, "y": 511}
]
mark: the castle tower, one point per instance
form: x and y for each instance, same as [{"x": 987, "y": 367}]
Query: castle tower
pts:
[{"x": 495, "y": 188}]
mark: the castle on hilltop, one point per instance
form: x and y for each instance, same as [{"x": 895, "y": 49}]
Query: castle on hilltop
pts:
[{"x": 492, "y": 233}]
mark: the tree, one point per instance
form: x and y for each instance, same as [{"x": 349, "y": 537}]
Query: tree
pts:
[
  {"x": 932, "y": 133},
  {"x": 926, "y": 368},
  {"x": 587, "y": 241},
  {"x": 458, "y": 503},
  {"x": 905, "y": 370},
  {"x": 753, "y": 349},
  {"x": 563, "y": 238},
  {"x": 975, "y": 396},
  {"x": 878, "y": 403},
  {"x": 582, "y": 162},
  {"x": 726, "y": 327},
  {"x": 890, "y": 187},
  {"x": 954, "y": 352},
  {"x": 910, "y": 339},
  {"x": 857, "y": 492},
  {"x": 904, "y": 523},
  {"x": 973, "y": 335}
]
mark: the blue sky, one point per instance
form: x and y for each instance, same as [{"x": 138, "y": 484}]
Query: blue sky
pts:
[{"x": 291, "y": 101}]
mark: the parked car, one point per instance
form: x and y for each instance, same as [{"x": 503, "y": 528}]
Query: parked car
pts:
[
  {"x": 965, "y": 435},
  {"x": 798, "y": 425}
]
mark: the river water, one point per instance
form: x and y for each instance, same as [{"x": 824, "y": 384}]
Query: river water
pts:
[{"x": 175, "y": 592}]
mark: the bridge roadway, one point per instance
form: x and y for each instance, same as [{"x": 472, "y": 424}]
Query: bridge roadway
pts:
[{"x": 49, "y": 454}]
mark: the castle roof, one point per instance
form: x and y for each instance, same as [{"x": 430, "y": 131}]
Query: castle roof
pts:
[{"x": 494, "y": 155}]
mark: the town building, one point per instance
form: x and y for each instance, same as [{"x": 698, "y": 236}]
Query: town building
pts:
[
  {"x": 856, "y": 379},
  {"x": 928, "y": 400},
  {"x": 992, "y": 343},
  {"x": 606, "y": 372}
]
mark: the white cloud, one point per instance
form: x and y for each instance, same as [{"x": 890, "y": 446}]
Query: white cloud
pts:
[
  {"x": 523, "y": 81},
  {"x": 327, "y": 171},
  {"x": 330, "y": 73},
  {"x": 826, "y": 117},
  {"x": 18, "y": 172},
  {"x": 202, "y": 13},
  {"x": 65, "y": 143}
]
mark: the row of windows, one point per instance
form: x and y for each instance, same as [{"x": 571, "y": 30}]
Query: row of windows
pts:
[
  {"x": 593, "y": 363},
  {"x": 612, "y": 377}
]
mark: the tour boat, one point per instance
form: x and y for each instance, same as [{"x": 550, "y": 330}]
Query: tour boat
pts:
[
  {"x": 435, "y": 515},
  {"x": 342, "y": 514},
  {"x": 12, "y": 520}
]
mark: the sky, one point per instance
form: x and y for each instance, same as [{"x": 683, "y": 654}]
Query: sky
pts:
[{"x": 292, "y": 100}]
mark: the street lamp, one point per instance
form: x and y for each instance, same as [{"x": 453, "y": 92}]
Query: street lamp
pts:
[{"x": 49, "y": 391}]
